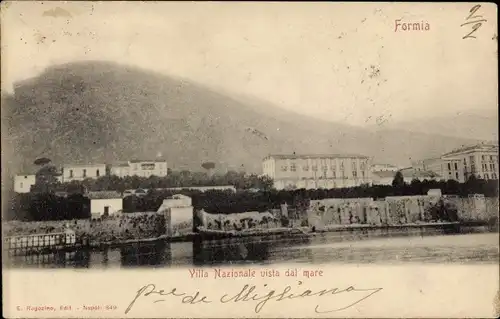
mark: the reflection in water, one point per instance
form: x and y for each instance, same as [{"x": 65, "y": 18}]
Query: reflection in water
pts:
[
  {"x": 150, "y": 254},
  {"x": 229, "y": 251},
  {"x": 349, "y": 246}
]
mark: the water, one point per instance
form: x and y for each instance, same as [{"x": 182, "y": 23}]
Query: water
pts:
[{"x": 362, "y": 246}]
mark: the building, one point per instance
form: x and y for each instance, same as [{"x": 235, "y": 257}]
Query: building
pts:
[
  {"x": 409, "y": 174},
  {"x": 80, "y": 172},
  {"x": 384, "y": 168},
  {"x": 480, "y": 160},
  {"x": 105, "y": 203},
  {"x": 178, "y": 211},
  {"x": 33, "y": 241},
  {"x": 143, "y": 168},
  {"x": 317, "y": 171},
  {"x": 23, "y": 183}
]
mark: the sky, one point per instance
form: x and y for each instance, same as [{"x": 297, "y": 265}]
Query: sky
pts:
[{"x": 335, "y": 61}]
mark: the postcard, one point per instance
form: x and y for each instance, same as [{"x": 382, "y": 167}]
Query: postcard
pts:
[{"x": 249, "y": 160}]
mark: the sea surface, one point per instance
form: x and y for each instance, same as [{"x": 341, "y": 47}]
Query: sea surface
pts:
[{"x": 345, "y": 247}]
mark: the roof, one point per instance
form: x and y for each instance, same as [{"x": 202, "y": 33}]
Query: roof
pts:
[
  {"x": 385, "y": 174},
  {"x": 26, "y": 175},
  {"x": 411, "y": 172},
  {"x": 307, "y": 156},
  {"x": 83, "y": 165},
  {"x": 407, "y": 173},
  {"x": 148, "y": 161},
  {"x": 384, "y": 165},
  {"x": 103, "y": 195}
]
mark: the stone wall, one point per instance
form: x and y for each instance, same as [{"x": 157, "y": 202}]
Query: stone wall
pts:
[
  {"x": 239, "y": 221},
  {"x": 113, "y": 228},
  {"x": 401, "y": 210}
]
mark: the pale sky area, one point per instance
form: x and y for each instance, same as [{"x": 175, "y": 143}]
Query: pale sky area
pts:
[{"x": 312, "y": 58}]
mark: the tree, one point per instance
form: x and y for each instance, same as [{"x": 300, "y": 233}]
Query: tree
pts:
[
  {"x": 46, "y": 178},
  {"x": 209, "y": 167},
  {"x": 398, "y": 180}
]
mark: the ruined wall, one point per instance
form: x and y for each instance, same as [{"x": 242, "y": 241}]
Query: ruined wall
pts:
[
  {"x": 113, "y": 228},
  {"x": 401, "y": 210},
  {"x": 238, "y": 221}
]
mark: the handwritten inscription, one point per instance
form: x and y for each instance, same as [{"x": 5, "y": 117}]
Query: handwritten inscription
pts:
[
  {"x": 475, "y": 21},
  {"x": 400, "y": 25},
  {"x": 260, "y": 296}
]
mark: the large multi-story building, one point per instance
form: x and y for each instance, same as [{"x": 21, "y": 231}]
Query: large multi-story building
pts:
[
  {"x": 80, "y": 172},
  {"x": 480, "y": 160},
  {"x": 143, "y": 168},
  {"x": 317, "y": 171}
]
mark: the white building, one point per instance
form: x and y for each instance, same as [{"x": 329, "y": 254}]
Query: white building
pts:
[
  {"x": 79, "y": 172},
  {"x": 317, "y": 171},
  {"x": 480, "y": 160},
  {"x": 384, "y": 168},
  {"x": 23, "y": 183},
  {"x": 143, "y": 168},
  {"x": 409, "y": 174},
  {"x": 105, "y": 203},
  {"x": 179, "y": 213}
]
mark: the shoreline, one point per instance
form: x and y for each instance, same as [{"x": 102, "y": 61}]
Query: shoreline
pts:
[
  {"x": 207, "y": 235},
  {"x": 220, "y": 234}
]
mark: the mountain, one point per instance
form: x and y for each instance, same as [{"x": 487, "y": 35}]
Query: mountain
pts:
[
  {"x": 105, "y": 112},
  {"x": 477, "y": 124}
]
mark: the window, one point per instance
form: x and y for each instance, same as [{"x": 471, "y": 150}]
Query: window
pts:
[
  {"x": 483, "y": 157},
  {"x": 354, "y": 166},
  {"x": 84, "y": 173},
  {"x": 293, "y": 168},
  {"x": 325, "y": 168},
  {"x": 315, "y": 168},
  {"x": 334, "y": 175},
  {"x": 449, "y": 166},
  {"x": 284, "y": 168},
  {"x": 354, "y": 173},
  {"x": 456, "y": 175},
  {"x": 70, "y": 173},
  {"x": 456, "y": 166},
  {"x": 494, "y": 176},
  {"x": 485, "y": 176},
  {"x": 21, "y": 185},
  {"x": 147, "y": 166},
  {"x": 305, "y": 168},
  {"x": 471, "y": 159},
  {"x": 491, "y": 157},
  {"x": 97, "y": 173}
]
